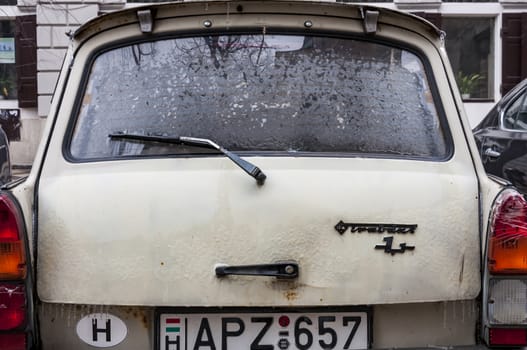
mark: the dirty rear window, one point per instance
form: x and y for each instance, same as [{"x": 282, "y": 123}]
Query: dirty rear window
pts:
[{"x": 259, "y": 93}]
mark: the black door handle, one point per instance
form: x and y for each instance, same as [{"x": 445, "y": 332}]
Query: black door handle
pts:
[{"x": 281, "y": 269}]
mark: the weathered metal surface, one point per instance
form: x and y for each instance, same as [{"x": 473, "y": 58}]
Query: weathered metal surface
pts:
[
  {"x": 58, "y": 325},
  {"x": 161, "y": 246}
]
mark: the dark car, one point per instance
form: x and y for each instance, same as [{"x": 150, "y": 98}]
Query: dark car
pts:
[
  {"x": 5, "y": 165},
  {"x": 502, "y": 138}
]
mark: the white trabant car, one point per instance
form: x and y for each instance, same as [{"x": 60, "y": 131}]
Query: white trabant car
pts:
[{"x": 260, "y": 175}]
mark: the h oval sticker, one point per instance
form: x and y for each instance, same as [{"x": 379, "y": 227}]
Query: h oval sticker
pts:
[{"x": 101, "y": 330}]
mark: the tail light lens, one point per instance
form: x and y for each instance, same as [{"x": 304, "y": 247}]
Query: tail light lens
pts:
[
  {"x": 508, "y": 301},
  {"x": 12, "y": 257},
  {"x": 508, "y": 240},
  {"x": 12, "y": 306},
  {"x": 14, "y": 296},
  {"x": 506, "y": 279},
  {"x": 507, "y": 337},
  {"x": 16, "y": 341}
]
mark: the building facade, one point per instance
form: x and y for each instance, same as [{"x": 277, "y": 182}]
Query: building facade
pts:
[{"x": 486, "y": 41}]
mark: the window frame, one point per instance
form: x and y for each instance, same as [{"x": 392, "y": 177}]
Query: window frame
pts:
[
  {"x": 11, "y": 69},
  {"x": 491, "y": 95}
]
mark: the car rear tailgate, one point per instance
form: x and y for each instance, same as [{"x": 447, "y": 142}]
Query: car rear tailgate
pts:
[{"x": 152, "y": 231}]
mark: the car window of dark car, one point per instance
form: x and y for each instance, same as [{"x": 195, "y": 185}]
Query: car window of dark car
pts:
[
  {"x": 515, "y": 116},
  {"x": 261, "y": 93}
]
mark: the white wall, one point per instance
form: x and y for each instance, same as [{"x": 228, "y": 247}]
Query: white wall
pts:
[
  {"x": 23, "y": 151},
  {"x": 476, "y": 111}
]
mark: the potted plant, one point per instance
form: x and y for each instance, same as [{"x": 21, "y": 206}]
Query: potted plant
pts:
[
  {"x": 467, "y": 83},
  {"x": 6, "y": 86}
]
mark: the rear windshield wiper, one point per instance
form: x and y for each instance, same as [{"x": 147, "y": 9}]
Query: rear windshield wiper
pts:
[{"x": 249, "y": 168}]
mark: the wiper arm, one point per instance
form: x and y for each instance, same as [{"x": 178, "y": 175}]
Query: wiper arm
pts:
[{"x": 248, "y": 167}]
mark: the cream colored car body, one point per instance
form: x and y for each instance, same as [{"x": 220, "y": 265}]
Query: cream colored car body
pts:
[{"x": 126, "y": 236}]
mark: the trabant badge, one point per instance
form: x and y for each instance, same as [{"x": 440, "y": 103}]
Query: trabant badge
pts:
[{"x": 341, "y": 227}]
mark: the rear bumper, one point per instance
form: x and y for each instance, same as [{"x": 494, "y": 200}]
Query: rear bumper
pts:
[{"x": 401, "y": 326}]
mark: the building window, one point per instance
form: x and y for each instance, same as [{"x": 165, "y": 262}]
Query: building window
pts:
[
  {"x": 470, "y": 48},
  {"x": 8, "y": 78}
]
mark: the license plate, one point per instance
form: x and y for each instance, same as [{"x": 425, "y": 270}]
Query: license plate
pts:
[{"x": 263, "y": 330}]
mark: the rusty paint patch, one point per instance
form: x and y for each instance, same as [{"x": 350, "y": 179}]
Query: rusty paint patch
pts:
[
  {"x": 139, "y": 314},
  {"x": 291, "y": 295}
]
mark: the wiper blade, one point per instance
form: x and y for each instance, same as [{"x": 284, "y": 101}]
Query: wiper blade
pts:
[{"x": 248, "y": 167}]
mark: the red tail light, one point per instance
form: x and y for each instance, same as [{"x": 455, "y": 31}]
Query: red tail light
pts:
[
  {"x": 14, "y": 279},
  {"x": 508, "y": 239},
  {"x": 16, "y": 341},
  {"x": 506, "y": 276},
  {"x": 504, "y": 336},
  {"x": 12, "y": 257},
  {"x": 12, "y": 306}
]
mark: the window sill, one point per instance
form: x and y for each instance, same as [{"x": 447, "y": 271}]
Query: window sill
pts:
[{"x": 8, "y": 104}]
